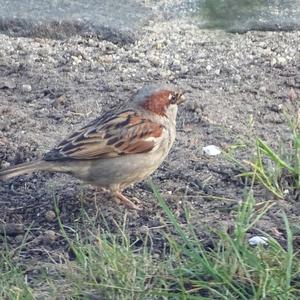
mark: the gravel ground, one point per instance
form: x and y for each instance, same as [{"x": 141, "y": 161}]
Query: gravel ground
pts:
[{"x": 238, "y": 83}]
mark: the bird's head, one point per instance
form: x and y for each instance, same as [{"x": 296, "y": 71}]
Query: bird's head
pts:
[{"x": 161, "y": 100}]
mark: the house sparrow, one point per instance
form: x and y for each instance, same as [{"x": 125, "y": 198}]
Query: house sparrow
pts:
[{"x": 118, "y": 148}]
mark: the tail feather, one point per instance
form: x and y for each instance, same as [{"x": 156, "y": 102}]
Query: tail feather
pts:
[{"x": 24, "y": 168}]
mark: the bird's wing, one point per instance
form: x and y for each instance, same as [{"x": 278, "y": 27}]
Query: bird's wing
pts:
[{"x": 109, "y": 136}]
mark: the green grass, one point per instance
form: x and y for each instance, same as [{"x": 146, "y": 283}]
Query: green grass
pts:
[
  {"x": 233, "y": 269},
  {"x": 278, "y": 170},
  {"x": 113, "y": 266},
  {"x": 13, "y": 282},
  {"x": 109, "y": 264}
]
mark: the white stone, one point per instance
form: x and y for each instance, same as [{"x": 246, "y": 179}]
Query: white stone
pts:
[
  {"x": 258, "y": 240},
  {"x": 208, "y": 68},
  {"x": 211, "y": 150},
  {"x": 26, "y": 88}
]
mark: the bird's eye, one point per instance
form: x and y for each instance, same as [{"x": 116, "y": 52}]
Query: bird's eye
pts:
[{"x": 173, "y": 98}]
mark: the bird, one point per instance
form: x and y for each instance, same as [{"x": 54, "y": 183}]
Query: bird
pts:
[{"x": 120, "y": 147}]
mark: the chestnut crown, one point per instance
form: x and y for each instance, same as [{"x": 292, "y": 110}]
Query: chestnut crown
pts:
[{"x": 158, "y": 98}]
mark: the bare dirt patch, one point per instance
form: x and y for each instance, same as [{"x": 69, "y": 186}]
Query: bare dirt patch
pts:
[{"x": 238, "y": 85}]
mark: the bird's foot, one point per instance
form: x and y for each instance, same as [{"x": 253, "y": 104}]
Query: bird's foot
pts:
[{"x": 120, "y": 198}]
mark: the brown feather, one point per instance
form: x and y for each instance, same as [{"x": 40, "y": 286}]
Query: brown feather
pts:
[{"x": 110, "y": 136}]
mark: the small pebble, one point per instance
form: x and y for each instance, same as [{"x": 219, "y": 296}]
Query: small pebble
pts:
[
  {"x": 286, "y": 192},
  {"x": 211, "y": 150},
  {"x": 5, "y": 164},
  {"x": 49, "y": 236},
  {"x": 26, "y": 88},
  {"x": 281, "y": 61},
  {"x": 258, "y": 240},
  {"x": 208, "y": 68},
  {"x": 50, "y": 216},
  {"x": 263, "y": 89},
  {"x": 217, "y": 72}
]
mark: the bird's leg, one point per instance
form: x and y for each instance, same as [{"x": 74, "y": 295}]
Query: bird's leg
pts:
[{"x": 117, "y": 195}]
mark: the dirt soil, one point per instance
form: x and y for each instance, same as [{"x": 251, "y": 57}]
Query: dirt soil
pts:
[{"x": 239, "y": 85}]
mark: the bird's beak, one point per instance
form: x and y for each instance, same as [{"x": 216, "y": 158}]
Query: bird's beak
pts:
[{"x": 180, "y": 97}]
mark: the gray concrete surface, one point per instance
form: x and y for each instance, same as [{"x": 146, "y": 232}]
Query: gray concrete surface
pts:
[
  {"x": 117, "y": 21},
  {"x": 122, "y": 21}
]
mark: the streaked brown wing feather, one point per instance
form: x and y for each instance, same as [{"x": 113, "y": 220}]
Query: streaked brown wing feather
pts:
[{"x": 109, "y": 136}]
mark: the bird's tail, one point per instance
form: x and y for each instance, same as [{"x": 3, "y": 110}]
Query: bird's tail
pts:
[{"x": 24, "y": 168}]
